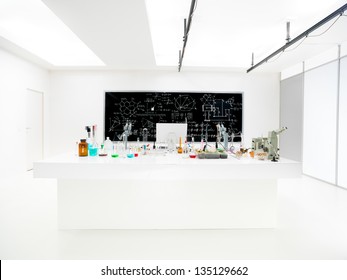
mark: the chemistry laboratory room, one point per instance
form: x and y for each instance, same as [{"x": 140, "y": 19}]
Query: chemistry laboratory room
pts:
[{"x": 173, "y": 130}]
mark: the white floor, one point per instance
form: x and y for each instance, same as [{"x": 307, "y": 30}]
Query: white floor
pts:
[{"x": 312, "y": 224}]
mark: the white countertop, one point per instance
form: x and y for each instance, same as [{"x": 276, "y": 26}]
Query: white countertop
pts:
[{"x": 154, "y": 166}]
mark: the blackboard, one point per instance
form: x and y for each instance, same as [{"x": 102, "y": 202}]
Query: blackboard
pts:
[{"x": 201, "y": 111}]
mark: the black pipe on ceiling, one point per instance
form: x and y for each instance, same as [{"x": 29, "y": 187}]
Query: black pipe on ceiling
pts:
[{"x": 338, "y": 12}]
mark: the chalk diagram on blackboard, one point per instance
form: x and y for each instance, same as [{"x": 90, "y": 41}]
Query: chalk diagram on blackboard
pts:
[
  {"x": 201, "y": 111},
  {"x": 207, "y": 99},
  {"x": 217, "y": 109},
  {"x": 114, "y": 123},
  {"x": 128, "y": 108},
  {"x": 184, "y": 103},
  {"x": 148, "y": 123}
]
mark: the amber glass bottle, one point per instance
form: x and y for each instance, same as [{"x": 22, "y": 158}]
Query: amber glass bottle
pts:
[
  {"x": 180, "y": 150},
  {"x": 83, "y": 148}
]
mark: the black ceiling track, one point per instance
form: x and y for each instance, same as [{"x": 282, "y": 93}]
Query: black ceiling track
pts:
[
  {"x": 186, "y": 33},
  {"x": 338, "y": 12}
]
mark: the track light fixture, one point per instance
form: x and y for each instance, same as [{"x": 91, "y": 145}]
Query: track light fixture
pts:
[
  {"x": 186, "y": 33},
  {"x": 288, "y": 32},
  {"x": 339, "y": 12}
]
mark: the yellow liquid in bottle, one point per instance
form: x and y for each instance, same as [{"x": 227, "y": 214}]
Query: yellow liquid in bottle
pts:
[{"x": 180, "y": 150}]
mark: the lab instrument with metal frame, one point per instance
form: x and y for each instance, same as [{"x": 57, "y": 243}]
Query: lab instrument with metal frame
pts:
[{"x": 269, "y": 144}]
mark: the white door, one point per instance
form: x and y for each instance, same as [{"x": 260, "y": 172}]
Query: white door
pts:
[{"x": 34, "y": 127}]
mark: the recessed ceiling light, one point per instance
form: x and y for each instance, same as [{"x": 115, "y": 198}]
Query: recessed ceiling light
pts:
[{"x": 32, "y": 26}]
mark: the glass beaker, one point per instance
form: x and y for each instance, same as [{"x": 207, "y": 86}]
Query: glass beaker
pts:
[
  {"x": 171, "y": 142},
  {"x": 121, "y": 149},
  {"x": 93, "y": 151}
]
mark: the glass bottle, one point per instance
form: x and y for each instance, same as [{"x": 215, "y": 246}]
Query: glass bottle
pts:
[
  {"x": 180, "y": 149},
  {"x": 83, "y": 148},
  {"x": 108, "y": 145},
  {"x": 93, "y": 149},
  {"x": 171, "y": 146},
  {"x": 185, "y": 147}
]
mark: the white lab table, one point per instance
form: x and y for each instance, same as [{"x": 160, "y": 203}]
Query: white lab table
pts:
[{"x": 165, "y": 191}]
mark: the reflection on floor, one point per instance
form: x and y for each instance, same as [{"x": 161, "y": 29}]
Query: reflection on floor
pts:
[{"x": 312, "y": 224}]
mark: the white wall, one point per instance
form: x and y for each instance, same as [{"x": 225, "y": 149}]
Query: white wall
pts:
[
  {"x": 320, "y": 107},
  {"x": 77, "y": 98},
  {"x": 342, "y": 152},
  {"x": 16, "y": 76},
  {"x": 325, "y": 117},
  {"x": 291, "y": 116}
]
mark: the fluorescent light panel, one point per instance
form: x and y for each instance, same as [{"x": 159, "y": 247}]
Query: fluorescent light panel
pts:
[{"x": 32, "y": 26}]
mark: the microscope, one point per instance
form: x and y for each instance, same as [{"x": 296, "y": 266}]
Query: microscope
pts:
[
  {"x": 126, "y": 133},
  {"x": 269, "y": 144},
  {"x": 272, "y": 144},
  {"x": 225, "y": 137},
  {"x": 218, "y": 134},
  {"x": 222, "y": 134}
]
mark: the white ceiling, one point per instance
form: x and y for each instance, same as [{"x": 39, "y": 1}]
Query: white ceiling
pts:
[
  {"x": 117, "y": 31},
  {"x": 147, "y": 34}
]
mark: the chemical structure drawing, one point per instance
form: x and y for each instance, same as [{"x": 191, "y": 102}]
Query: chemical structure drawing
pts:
[
  {"x": 128, "y": 108},
  {"x": 184, "y": 103}
]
